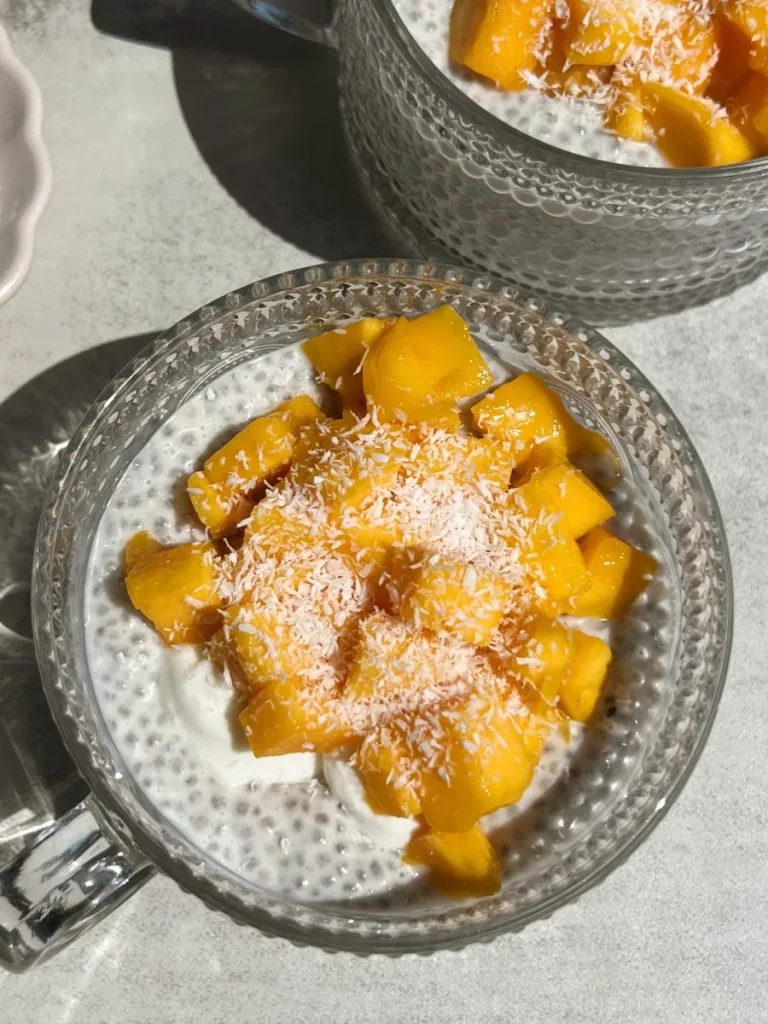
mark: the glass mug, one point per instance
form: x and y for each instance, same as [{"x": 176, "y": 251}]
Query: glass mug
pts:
[
  {"x": 671, "y": 661},
  {"x": 609, "y": 243}
]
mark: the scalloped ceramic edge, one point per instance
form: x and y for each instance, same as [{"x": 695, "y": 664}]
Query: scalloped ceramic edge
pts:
[
  {"x": 17, "y": 239},
  {"x": 698, "y": 680}
]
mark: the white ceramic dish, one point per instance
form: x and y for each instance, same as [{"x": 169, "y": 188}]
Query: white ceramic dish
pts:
[{"x": 25, "y": 170}]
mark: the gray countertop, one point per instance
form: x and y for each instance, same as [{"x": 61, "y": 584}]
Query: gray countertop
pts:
[{"x": 193, "y": 153}]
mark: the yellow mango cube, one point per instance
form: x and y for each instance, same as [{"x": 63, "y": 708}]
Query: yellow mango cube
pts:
[
  {"x": 291, "y": 715},
  {"x": 462, "y": 600},
  {"x": 422, "y": 365},
  {"x": 337, "y": 356},
  {"x": 175, "y": 588},
  {"x": 618, "y": 573},
  {"x": 732, "y": 66},
  {"x": 463, "y": 864},
  {"x": 748, "y": 109},
  {"x": 262, "y": 640},
  {"x": 566, "y": 491},
  {"x": 750, "y": 18},
  {"x": 543, "y": 659},
  {"x": 482, "y": 764},
  {"x": 599, "y": 32},
  {"x": 139, "y": 546},
  {"x": 220, "y": 493},
  {"x": 526, "y": 413},
  {"x": 554, "y": 560},
  {"x": 582, "y": 685},
  {"x": 389, "y": 768},
  {"x": 692, "y": 131},
  {"x": 500, "y": 40}
]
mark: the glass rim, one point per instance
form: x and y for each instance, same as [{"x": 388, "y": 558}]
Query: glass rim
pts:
[
  {"x": 628, "y": 174},
  {"x": 321, "y": 931}
]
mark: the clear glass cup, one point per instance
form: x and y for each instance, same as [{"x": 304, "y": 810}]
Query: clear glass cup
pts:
[
  {"x": 672, "y": 656},
  {"x": 609, "y": 243}
]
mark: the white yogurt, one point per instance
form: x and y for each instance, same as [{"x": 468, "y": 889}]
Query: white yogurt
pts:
[
  {"x": 201, "y": 699},
  {"x": 570, "y": 124}
]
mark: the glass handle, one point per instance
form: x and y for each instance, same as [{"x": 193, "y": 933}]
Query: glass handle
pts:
[
  {"x": 311, "y": 19},
  {"x": 73, "y": 875}
]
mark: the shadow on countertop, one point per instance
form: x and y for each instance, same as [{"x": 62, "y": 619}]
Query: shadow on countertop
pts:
[
  {"x": 262, "y": 109},
  {"x": 39, "y": 781}
]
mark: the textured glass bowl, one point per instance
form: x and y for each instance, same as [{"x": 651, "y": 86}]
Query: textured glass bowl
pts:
[
  {"x": 593, "y": 819},
  {"x": 609, "y": 243}
]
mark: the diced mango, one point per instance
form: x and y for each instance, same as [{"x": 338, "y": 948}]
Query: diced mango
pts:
[
  {"x": 139, "y": 546},
  {"x": 345, "y": 465},
  {"x": 599, "y": 32},
  {"x": 625, "y": 116},
  {"x": 263, "y": 641},
  {"x": 337, "y": 356},
  {"x": 525, "y": 412},
  {"x": 750, "y": 17},
  {"x": 500, "y": 40},
  {"x": 175, "y": 588},
  {"x": 748, "y": 110},
  {"x": 582, "y": 685},
  {"x": 618, "y": 574},
  {"x": 220, "y": 493},
  {"x": 392, "y": 661},
  {"x": 554, "y": 560},
  {"x": 291, "y": 715},
  {"x": 389, "y": 769},
  {"x": 453, "y": 764},
  {"x": 565, "y": 490},
  {"x": 544, "y": 658},
  {"x": 420, "y": 366},
  {"x": 732, "y": 65},
  {"x": 464, "y": 601},
  {"x": 482, "y": 764},
  {"x": 464, "y": 864},
  {"x": 679, "y": 47},
  {"x": 691, "y": 131}
]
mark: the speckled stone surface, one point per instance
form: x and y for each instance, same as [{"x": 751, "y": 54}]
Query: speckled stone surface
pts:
[{"x": 192, "y": 154}]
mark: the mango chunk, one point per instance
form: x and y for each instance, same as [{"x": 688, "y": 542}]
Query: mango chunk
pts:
[
  {"x": 565, "y": 490},
  {"x": 337, "y": 356},
  {"x": 348, "y": 461},
  {"x": 618, "y": 574},
  {"x": 732, "y": 66},
  {"x": 449, "y": 597},
  {"x": 692, "y": 131},
  {"x": 599, "y": 32},
  {"x": 678, "y": 47},
  {"x": 553, "y": 559},
  {"x": 291, "y": 715},
  {"x": 139, "y": 546},
  {"x": 175, "y": 588},
  {"x": 452, "y": 764},
  {"x": 526, "y": 413},
  {"x": 500, "y": 40},
  {"x": 220, "y": 493},
  {"x": 581, "y": 687},
  {"x": 463, "y": 864},
  {"x": 483, "y": 764},
  {"x": 389, "y": 769},
  {"x": 545, "y": 656},
  {"x": 625, "y": 116},
  {"x": 419, "y": 367},
  {"x": 748, "y": 109},
  {"x": 750, "y": 18}
]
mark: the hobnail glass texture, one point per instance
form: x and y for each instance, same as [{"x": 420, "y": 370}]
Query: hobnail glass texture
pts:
[
  {"x": 629, "y": 772},
  {"x": 608, "y": 242}
]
